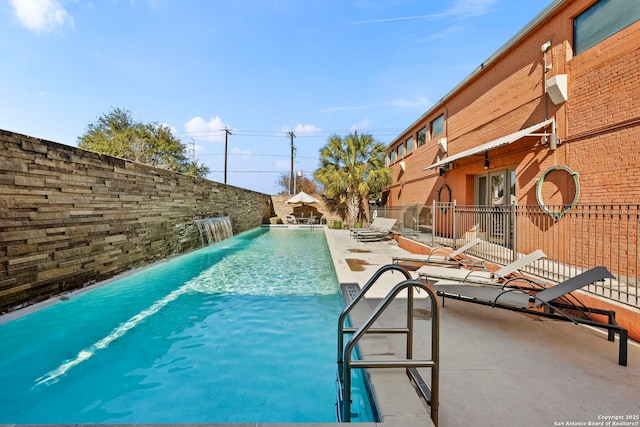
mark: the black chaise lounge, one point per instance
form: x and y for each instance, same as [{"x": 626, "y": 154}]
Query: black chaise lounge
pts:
[{"x": 556, "y": 301}]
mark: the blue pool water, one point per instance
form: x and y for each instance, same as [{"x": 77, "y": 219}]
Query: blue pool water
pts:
[{"x": 240, "y": 331}]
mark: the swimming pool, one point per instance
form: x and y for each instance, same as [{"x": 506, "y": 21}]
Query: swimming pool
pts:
[{"x": 240, "y": 331}]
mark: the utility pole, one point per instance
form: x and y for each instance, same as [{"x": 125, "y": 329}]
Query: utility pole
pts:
[
  {"x": 227, "y": 132},
  {"x": 293, "y": 149}
]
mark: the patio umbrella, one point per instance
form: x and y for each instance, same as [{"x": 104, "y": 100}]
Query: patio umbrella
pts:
[{"x": 303, "y": 198}]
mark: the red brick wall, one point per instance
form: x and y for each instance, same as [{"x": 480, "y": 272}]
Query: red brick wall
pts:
[
  {"x": 603, "y": 119},
  {"x": 597, "y": 126}
]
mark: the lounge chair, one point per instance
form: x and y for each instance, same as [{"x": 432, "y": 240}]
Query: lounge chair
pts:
[
  {"x": 454, "y": 258},
  {"x": 383, "y": 232},
  {"x": 435, "y": 273},
  {"x": 556, "y": 300},
  {"x": 374, "y": 236},
  {"x": 374, "y": 226},
  {"x": 291, "y": 219},
  {"x": 379, "y": 224}
]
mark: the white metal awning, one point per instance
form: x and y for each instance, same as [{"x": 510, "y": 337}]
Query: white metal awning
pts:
[{"x": 507, "y": 139}]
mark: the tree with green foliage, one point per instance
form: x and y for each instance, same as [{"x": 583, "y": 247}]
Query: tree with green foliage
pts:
[
  {"x": 302, "y": 184},
  {"x": 351, "y": 169},
  {"x": 117, "y": 134}
]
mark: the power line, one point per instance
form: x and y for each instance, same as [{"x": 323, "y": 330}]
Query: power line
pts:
[
  {"x": 279, "y": 134},
  {"x": 258, "y": 155},
  {"x": 306, "y": 173}
]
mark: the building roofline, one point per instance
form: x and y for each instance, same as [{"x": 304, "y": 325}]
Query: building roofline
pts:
[{"x": 497, "y": 54}]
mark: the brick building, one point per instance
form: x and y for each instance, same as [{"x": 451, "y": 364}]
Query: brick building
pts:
[
  {"x": 539, "y": 149},
  {"x": 558, "y": 104}
]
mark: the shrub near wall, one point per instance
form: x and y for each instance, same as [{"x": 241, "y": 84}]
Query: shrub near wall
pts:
[{"x": 70, "y": 217}]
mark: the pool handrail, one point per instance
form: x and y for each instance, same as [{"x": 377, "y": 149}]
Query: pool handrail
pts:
[
  {"x": 342, "y": 330},
  {"x": 432, "y": 394}
]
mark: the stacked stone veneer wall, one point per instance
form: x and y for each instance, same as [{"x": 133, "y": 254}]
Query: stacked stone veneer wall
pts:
[{"x": 70, "y": 217}]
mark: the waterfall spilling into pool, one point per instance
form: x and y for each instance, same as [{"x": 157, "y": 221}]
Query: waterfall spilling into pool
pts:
[{"x": 214, "y": 230}]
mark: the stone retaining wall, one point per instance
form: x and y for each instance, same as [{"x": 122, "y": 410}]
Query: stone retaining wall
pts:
[{"x": 69, "y": 217}]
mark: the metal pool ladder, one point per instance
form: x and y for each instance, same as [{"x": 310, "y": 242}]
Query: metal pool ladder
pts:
[{"x": 346, "y": 351}]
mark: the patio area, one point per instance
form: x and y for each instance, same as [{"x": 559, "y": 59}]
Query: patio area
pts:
[{"x": 499, "y": 367}]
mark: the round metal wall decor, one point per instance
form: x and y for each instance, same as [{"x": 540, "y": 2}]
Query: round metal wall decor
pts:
[
  {"x": 576, "y": 180},
  {"x": 444, "y": 194}
]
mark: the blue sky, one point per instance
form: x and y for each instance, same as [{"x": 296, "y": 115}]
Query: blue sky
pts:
[{"x": 257, "y": 67}]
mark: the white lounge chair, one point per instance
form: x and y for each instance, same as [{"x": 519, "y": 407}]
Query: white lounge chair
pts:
[
  {"x": 435, "y": 273},
  {"x": 383, "y": 232},
  {"x": 291, "y": 219},
  {"x": 453, "y": 258},
  {"x": 374, "y": 226}
]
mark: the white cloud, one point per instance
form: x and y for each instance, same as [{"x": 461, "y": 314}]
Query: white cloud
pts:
[
  {"x": 362, "y": 124},
  {"x": 213, "y": 130},
  {"x": 168, "y": 126},
  {"x": 41, "y": 16},
  {"x": 307, "y": 129}
]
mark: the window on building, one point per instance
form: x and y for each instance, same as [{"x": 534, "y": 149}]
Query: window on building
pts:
[
  {"x": 400, "y": 151},
  {"x": 422, "y": 137},
  {"x": 409, "y": 145},
  {"x": 392, "y": 156},
  {"x": 437, "y": 126},
  {"x": 602, "y": 20}
]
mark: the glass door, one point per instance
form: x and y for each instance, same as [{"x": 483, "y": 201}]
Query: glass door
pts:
[{"x": 494, "y": 195}]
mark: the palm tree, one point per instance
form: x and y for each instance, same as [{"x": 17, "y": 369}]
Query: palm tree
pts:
[{"x": 351, "y": 169}]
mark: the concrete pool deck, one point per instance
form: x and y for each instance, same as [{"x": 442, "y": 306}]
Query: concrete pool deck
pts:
[{"x": 497, "y": 367}]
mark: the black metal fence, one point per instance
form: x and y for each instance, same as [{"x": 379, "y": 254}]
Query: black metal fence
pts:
[{"x": 573, "y": 238}]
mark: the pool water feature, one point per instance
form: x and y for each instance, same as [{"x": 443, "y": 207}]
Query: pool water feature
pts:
[
  {"x": 213, "y": 230},
  {"x": 240, "y": 331}
]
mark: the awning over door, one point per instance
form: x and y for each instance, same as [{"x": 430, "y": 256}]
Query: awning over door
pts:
[{"x": 505, "y": 140}]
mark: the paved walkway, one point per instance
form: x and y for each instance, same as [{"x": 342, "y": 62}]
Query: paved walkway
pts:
[{"x": 501, "y": 368}]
